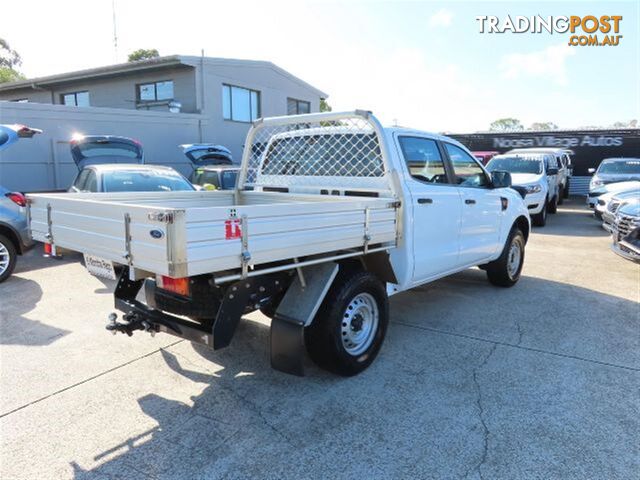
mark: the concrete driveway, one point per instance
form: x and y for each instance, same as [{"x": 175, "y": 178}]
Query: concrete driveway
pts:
[{"x": 537, "y": 381}]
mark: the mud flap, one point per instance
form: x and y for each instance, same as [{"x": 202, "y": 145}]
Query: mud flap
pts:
[
  {"x": 295, "y": 312},
  {"x": 287, "y": 345}
]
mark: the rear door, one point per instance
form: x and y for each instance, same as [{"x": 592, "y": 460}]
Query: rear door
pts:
[
  {"x": 207, "y": 154},
  {"x": 481, "y": 207},
  {"x": 436, "y": 207},
  {"x": 97, "y": 150}
]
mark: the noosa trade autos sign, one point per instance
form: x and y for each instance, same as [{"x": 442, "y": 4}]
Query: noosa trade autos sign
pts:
[
  {"x": 558, "y": 141},
  {"x": 589, "y": 147}
]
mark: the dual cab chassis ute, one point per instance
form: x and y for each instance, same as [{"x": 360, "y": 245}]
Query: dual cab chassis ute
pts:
[{"x": 331, "y": 215}]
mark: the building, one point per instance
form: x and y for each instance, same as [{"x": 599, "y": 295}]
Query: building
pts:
[
  {"x": 210, "y": 100},
  {"x": 589, "y": 146}
]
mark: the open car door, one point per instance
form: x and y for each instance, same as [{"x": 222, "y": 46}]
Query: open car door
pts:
[
  {"x": 202, "y": 154},
  {"x": 101, "y": 149}
]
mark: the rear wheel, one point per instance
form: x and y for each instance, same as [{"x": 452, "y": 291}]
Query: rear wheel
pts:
[
  {"x": 8, "y": 258},
  {"x": 540, "y": 219},
  {"x": 348, "y": 330},
  {"x": 553, "y": 205},
  {"x": 560, "y": 195},
  {"x": 505, "y": 271},
  {"x": 566, "y": 190}
]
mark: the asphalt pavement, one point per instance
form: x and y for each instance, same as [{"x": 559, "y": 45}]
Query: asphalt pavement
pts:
[{"x": 540, "y": 381}]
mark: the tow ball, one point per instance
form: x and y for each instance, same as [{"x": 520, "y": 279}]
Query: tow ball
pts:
[{"x": 131, "y": 322}]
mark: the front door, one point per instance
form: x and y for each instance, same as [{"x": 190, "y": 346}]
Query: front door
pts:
[
  {"x": 436, "y": 206},
  {"x": 481, "y": 208}
]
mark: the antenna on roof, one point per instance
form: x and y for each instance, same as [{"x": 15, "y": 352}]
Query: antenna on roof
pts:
[{"x": 115, "y": 34}]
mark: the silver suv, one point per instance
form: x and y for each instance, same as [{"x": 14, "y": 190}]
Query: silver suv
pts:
[{"x": 14, "y": 235}]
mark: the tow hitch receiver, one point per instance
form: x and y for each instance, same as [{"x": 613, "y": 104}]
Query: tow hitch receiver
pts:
[{"x": 132, "y": 322}]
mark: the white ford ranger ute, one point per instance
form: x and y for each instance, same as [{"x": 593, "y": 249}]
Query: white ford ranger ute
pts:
[{"x": 332, "y": 214}]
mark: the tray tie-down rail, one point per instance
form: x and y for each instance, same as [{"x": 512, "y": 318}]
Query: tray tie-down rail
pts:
[{"x": 248, "y": 293}]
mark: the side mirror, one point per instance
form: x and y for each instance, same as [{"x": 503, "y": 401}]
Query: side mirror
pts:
[
  {"x": 552, "y": 171},
  {"x": 500, "y": 179},
  {"x": 591, "y": 170}
]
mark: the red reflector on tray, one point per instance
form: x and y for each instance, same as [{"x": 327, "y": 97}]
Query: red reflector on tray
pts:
[
  {"x": 175, "y": 285},
  {"x": 47, "y": 249}
]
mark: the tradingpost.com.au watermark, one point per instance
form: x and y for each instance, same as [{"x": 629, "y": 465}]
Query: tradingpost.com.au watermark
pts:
[{"x": 585, "y": 31}]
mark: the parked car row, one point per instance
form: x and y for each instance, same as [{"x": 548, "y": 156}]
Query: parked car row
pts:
[
  {"x": 614, "y": 196},
  {"x": 108, "y": 164},
  {"x": 542, "y": 175}
]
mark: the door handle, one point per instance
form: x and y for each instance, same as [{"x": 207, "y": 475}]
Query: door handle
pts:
[
  {"x": 425, "y": 200},
  {"x": 470, "y": 201}
]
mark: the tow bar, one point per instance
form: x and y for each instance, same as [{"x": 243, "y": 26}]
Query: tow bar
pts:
[{"x": 132, "y": 322}]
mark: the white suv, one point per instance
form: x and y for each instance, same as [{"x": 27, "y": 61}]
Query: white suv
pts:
[
  {"x": 563, "y": 163},
  {"x": 537, "y": 173}
]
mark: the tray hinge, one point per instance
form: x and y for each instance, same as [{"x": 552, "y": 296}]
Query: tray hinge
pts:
[
  {"x": 245, "y": 255},
  {"x": 127, "y": 238},
  {"x": 367, "y": 235}
]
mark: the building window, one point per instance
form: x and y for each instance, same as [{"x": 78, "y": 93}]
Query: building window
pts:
[
  {"x": 297, "y": 107},
  {"x": 156, "y": 91},
  {"x": 75, "y": 99},
  {"x": 240, "y": 104}
]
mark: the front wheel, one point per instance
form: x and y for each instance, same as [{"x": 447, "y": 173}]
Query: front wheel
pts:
[
  {"x": 348, "y": 330},
  {"x": 8, "y": 257},
  {"x": 540, "y": 219},
  {"x": 505, "y": 271}
]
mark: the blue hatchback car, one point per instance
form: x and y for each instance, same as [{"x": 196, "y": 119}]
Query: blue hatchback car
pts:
[{"x": 14, "y": 234}]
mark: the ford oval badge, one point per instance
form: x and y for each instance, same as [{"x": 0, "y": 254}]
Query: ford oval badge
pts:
[{"x": 156, "y": 234}]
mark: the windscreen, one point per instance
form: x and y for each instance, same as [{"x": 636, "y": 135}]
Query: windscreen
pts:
[
  {"x": 144, "y": 181},
  {"x": 629, "y": 166},
  {"x": 516, "y": 164}
]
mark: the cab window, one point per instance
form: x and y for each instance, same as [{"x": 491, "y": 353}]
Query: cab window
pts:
[
  {"x": 467, "y": 172},
  {"x": 423, "y": 159}
]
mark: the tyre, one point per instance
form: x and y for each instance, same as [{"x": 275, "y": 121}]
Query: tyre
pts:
[
  {"x": 560, "y": 195},
  {"x": 8, "y": 258},
  {"x": 552, "y": 206},
  {"x": 348, "y": 330},
  {"x": 505, "y": 271},
  {"x": 540, "y": 219},
  {"x": 566, "y": 189}
]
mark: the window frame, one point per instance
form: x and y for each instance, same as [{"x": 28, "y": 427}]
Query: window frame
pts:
[
  {"x": 250, "y": 90},
  {"x": 155, "y": 83},
  {"x": 75, "y": 98},
  {"x": 443, "y": 157},
  {"x": 487, "y": 175},
  {"x": 298, "y": 102}
]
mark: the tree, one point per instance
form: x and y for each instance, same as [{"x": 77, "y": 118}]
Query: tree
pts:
[
  {"x": 324, "y": 106},
  {"x": 10, "y": 75},
  {"x": 543, "y": 126},
  {"x": 629, "y": 124},
  {"x": 503, "y": 124},
  {"x": 143, "y": 54},
  {"x": 9, "y": 59}
]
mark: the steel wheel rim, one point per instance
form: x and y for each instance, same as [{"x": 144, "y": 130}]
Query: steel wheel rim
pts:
[
  {"x": 4, "y": 258},
  {"x": 514, "y": 258},
  {"x": 359, "y": 324}
]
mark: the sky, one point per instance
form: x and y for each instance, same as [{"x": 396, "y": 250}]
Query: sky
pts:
[{"x": 419, "y": 64}]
